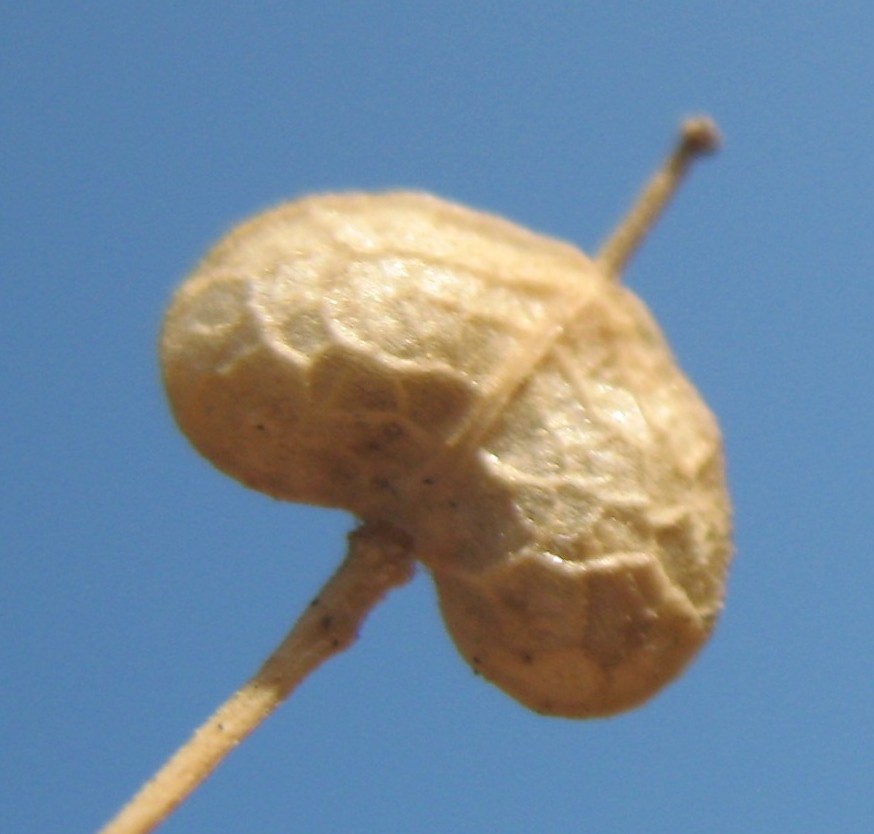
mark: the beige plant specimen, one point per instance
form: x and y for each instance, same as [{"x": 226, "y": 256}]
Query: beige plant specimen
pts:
[{"x": 489, "y": 402}]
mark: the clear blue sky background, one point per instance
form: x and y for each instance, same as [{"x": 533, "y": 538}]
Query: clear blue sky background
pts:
[{"x": 139, "y": 586}]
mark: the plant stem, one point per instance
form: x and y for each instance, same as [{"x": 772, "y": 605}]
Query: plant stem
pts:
[
  {"x": 379, "y": 559},
  {"x": 697, "y": 136}
]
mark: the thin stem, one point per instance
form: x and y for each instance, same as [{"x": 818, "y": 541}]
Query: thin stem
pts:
[
  {"x": 698, "y": 136},
  {"x": 378, "y": 560}
]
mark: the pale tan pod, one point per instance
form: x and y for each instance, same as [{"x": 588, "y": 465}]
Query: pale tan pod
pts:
[{"x": 492, "y": 393}]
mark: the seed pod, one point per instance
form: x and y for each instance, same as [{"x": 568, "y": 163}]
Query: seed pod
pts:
[{"x": 495, "y": 394}]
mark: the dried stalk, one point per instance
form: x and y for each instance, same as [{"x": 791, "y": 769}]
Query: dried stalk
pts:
[{"x": 378, "y": 560}]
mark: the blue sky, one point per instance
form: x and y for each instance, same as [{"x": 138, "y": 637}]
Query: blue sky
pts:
[{"x": 139, "y": 587}]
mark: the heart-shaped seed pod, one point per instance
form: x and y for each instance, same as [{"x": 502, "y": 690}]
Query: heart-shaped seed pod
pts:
[{"x": 493, "y": 393}]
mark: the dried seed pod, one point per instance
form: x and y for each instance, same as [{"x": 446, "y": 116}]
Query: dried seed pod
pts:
[{"x": 495, "y": 394}]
